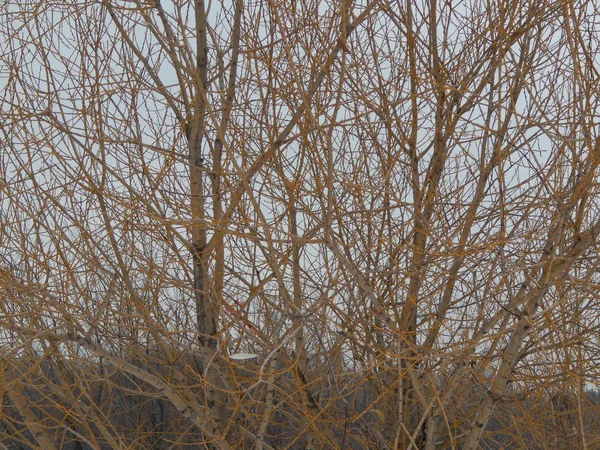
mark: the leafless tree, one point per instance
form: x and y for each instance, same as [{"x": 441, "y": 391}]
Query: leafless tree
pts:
[{"x": 299, "y": 224}]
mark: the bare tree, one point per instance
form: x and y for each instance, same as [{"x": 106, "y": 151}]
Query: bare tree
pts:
[{"x": 297, "y": 224}]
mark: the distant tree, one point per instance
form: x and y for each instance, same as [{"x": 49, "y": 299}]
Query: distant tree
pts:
[{"x": 299, "y": 224}]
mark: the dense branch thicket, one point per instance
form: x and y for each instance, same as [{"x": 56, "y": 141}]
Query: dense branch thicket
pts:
[{"x": 299, "y": 224}]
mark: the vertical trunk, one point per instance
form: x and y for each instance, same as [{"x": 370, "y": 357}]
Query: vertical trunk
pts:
[
  {"x": 300, "y": 353},
  {"x": 423, "y": 212},
  {"x": 299, "y": 344},
  {"x": 205, "y": 312},
  {"x": 208, "y": 290},
  {"x": 206, "y": 308}
]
